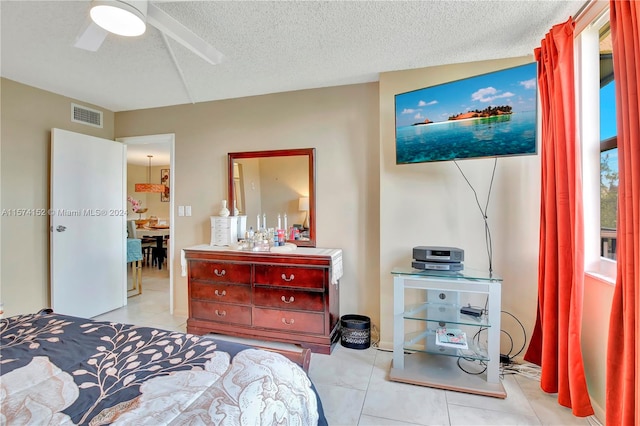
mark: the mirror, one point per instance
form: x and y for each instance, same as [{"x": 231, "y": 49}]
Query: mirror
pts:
[{"x": 265, "y": 184}]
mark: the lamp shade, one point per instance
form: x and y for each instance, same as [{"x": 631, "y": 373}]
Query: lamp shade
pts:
[
  {"x": 149, "y": 187},
  {"x": 125, "y": 18},
  {"x": 303, "y": 204}
]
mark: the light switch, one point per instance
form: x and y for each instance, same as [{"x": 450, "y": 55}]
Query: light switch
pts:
[
  {"x": 187, "y": 210},
  {"x": 180, "y": 210}
]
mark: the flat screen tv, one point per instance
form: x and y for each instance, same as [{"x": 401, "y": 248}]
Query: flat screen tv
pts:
[{"x": 488, "y": 115}]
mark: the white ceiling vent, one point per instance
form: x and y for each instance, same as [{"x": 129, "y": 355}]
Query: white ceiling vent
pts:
[{"x": 84, "y": 115}]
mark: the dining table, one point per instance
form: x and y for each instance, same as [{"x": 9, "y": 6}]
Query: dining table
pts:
[{"x": 159, "y": 232}]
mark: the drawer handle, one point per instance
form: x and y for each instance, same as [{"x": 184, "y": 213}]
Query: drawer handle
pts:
[
  {"x": 284, "y": 277},
  {"x": 291, "y": 299},
  {"x": 284, "y": 321},
  {"x": 221, "y": 313},
  {"x": 220, "y": 274},
  {"x": 224, "y": 293}
]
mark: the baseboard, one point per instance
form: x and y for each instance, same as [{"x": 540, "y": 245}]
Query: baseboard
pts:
[
  {"x": 181, "y": 313},
  {"x": 385, "y": 345},
  {"x": 598, "y": 419}
]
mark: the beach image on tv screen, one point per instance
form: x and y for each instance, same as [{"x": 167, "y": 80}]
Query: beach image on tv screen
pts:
[{"x": 487, "y": 115}]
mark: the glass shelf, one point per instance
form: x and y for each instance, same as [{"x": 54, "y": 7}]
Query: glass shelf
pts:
[
  {"x": 468, "y": 274},
  {"x": 417, "y": 359},
  {"x": 425, "y": 341},
  {"x": 446, "y": 313}
]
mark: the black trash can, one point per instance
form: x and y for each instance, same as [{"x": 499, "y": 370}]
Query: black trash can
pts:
[{"x": 355, "y": 331}]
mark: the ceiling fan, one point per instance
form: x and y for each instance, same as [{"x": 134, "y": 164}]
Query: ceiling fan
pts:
[{"x": 129, "y": 18}]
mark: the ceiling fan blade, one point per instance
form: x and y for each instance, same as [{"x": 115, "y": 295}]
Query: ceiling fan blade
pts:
[
  {"x": 90, "y": 37},
  {"x": 174, "y": 29}
]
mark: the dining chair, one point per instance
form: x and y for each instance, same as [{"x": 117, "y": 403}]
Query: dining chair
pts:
[
  {"x": 147, "y": 243},
  {"x": 165, "y": 253}
]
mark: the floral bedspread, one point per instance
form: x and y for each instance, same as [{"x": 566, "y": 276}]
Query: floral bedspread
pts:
[{"x": 57, "y": 369}]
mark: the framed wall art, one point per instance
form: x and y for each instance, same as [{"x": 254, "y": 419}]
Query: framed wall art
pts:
[
  {"x": 487, "y": 115},
  {"x": 164, "y": 180}
]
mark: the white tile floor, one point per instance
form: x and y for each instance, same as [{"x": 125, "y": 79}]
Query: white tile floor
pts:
[{"x": 354, "y": 387}]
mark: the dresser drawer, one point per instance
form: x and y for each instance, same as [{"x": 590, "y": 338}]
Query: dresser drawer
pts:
[
  {"x": 220, "y": 233},
  {"x": 284, "y": 320},
  {"x": 265, "y": 296},
  {"x": 221, "y": 312},
  {"x": 216, "y": 292},
  {"x": 221, "y": 272},
  {"x": 290, "y": 276},
  {"x": 285, "y": 298},
  {"x": 221, "y": 225},
  {"x": 224, "y": 222}
]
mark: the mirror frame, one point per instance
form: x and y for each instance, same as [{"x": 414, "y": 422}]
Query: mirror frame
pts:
[{"x": 311, "y": 155}]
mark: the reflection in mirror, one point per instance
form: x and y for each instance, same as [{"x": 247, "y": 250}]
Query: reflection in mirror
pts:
[
  {"x": 268, "y": 184},
  {"x": 238, "y": 188}
]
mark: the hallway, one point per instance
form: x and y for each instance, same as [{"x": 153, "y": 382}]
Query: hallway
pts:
[{"x": 151, "y": 308}]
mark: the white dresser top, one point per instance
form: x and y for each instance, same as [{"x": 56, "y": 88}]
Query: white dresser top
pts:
[{"x": 300, "y": 250}]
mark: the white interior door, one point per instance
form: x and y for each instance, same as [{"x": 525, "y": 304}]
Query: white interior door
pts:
[{"x": 88, "y": 224}]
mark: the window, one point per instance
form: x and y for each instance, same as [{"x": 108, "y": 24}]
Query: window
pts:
[
  {"x": 608, "y": 149},
  {"x": 596, "y": 113}
]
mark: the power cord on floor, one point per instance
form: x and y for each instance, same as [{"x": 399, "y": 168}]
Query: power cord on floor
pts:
[
  {"x": 527, "y": 370},
  {"x": 507, "y": 358},
  {"x": 507, "y": 364}
]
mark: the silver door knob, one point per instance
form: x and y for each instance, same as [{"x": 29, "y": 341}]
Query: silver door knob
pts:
[{"x": 61, "y": 228}]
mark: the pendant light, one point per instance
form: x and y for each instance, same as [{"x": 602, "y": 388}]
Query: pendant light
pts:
[{"x": 149, "y": 187}]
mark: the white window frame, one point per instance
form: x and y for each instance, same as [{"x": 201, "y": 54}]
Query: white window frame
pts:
[{"x": 587, "y": 74}]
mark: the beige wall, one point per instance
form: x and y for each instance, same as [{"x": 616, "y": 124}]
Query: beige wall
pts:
[
  {"x": 282, "y": 182},
  {"x": 27, "y": 116},
  {"x": 598, "y": 295},
  {"x": 340, "y": 122},
  {"x": 431, "y": 204}
]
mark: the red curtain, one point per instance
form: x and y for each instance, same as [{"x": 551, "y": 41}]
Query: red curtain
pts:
[
  {"x": 622, "y": 401},
  {"x": 555, "y": 343}
]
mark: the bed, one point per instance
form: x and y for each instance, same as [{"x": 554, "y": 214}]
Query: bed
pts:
[{"x": 58, "y": 369}]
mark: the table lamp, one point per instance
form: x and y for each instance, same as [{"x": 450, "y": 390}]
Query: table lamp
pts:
[{"x": 303, "y": 206}]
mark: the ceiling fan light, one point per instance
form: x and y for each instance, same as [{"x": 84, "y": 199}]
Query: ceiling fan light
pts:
[{"x": 120, "y": 17}]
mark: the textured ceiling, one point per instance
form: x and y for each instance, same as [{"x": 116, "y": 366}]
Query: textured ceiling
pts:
[{"x": 268, "y": 46}]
